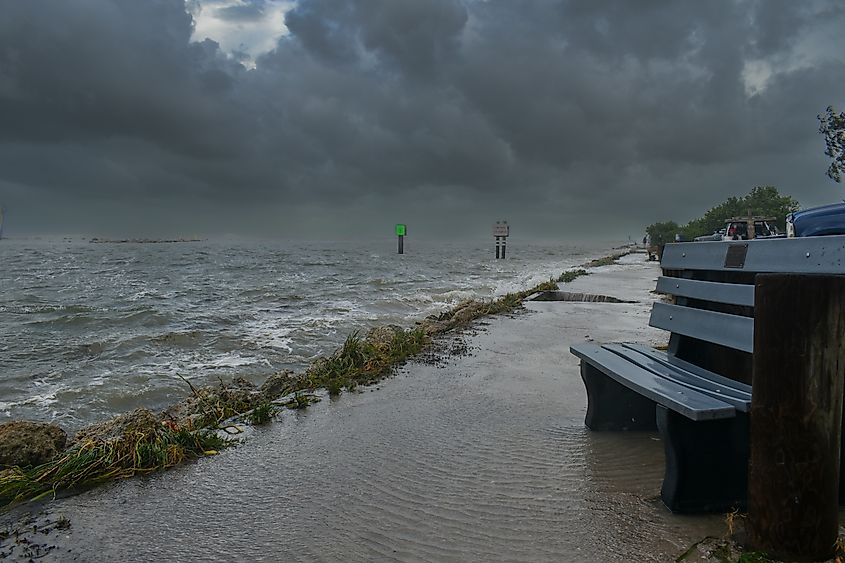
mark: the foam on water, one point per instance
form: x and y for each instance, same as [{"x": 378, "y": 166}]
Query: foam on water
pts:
[
  {"x": 267, "y": 334},
  {"x": 230, "y": 360}
]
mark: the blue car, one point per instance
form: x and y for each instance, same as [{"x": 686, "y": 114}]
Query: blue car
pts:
[{"x": 817, "y": 221}]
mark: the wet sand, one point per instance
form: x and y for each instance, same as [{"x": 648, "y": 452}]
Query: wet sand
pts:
[{"x": 483, "y": 456}]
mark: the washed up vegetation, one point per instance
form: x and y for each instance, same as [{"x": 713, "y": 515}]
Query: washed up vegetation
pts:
[
  {"x": 141, "y": 442},
  {"x": 142, "y": 446},
  {"x": 607, "y": 260},
  {"x": 571, "y": 275},
  {"x": 732, "y": 548},
  {"x": 31, "y": 538},
  {"x": 262, "y": 414}
]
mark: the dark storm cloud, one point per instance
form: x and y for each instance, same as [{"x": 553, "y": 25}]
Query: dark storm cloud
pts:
[{"x": 558, "y": 114}]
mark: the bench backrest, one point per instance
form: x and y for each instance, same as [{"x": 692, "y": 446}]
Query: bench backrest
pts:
[{"x": 712, "y": 319}]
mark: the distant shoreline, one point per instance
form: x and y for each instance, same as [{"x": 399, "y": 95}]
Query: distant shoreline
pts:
[{"x": 96, "y": 240}]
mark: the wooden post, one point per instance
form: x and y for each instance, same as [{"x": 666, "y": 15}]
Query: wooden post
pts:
[
  {"x": 401, "y": 244},
  {"x": 751, "y": 232},
  {"x": 504, "y": 246},
  {"x": 796, "y": 415},
  {"x": 497, "y": 247}
]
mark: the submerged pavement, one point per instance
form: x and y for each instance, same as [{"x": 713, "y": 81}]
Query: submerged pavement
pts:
[{"x": 482, "y": 456}]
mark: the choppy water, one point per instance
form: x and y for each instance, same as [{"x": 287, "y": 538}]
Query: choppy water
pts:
[{"x": 91, "y": 330}]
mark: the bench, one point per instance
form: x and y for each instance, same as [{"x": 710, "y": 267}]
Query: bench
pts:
[{"x": 697, "y": 394}]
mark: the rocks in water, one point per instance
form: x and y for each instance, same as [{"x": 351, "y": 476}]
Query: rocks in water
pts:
[
  {"x": 138, "y": 422},
  {"x": 24, "y": 443}
]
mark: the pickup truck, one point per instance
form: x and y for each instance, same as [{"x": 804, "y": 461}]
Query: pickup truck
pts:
[
  {"x": 736, "y": 229},
  {"x": 717, "y": 235},
  {"x": 817, "y": 221}
]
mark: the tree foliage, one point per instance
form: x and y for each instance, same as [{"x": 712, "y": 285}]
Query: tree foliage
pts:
[
  {"x": 763, "y": 201},
  {"x": 832, "y": 126},
  {"x": 661, "y": 233}
]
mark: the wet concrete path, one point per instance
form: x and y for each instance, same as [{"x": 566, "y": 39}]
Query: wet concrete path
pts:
[{"x": 483, "y": 457}]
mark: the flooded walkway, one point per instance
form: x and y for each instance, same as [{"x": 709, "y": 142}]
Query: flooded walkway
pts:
[{"x": 483, "y": 457}]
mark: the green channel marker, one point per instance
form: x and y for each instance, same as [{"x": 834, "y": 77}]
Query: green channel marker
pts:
[{"x": 401, "y": 230}]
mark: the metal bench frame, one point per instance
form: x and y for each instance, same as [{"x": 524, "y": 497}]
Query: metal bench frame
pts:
[{"x": 698, "y": 393}]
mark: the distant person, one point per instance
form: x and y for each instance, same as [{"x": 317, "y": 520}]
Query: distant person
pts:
[{"x": 677, "y": 237}]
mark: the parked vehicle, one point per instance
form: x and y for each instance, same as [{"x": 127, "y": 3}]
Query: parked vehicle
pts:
[
  {"x": 737, "y": 229},
  {"x": 717, "y": 235},
  {"x": 817, "y": 221}
]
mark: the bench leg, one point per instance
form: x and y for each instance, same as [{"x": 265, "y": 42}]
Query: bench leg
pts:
[
  {"x": 612, "y": 406},
  {"x": 706, "y": 462}
]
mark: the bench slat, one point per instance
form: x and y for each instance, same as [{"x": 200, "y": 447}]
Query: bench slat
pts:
[
  {"x": 738, "y": 399},
  {"x": 743, "y": 388},
  {"x": 804, "y": 255},
  {"x": 688, "y": 402},
  {"x": 732, "y": 331},
  {"x": 731, "y": 293}
]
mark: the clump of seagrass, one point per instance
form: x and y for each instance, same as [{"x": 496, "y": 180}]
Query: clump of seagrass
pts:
[
  {"x": 571, "y": 275},
  {"x": 300, "y": 400},
  {"x": 132, "y": 444},
  {"x": 550, "y": 285},
  {"x": 262, "y": 414},
  {"x": 363, "y": 361},
  {"x": 279, "y": 384},
  {"x": 472, "y": 309},
  {"x": 607, "y": 260},
  {"x": 208, "y": 406}
]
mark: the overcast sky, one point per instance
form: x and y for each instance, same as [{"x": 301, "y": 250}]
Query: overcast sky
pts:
[{"x": 339, "y": 118}]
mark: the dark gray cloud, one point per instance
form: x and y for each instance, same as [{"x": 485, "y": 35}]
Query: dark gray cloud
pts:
[{"x": 569, "y": 118}]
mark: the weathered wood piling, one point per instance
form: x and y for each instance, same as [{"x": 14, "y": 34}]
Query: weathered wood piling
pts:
[{"x": 796, "y": 415}]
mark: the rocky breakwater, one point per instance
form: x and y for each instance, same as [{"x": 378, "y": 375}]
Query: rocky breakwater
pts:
[{"x": 25, "y": 444}]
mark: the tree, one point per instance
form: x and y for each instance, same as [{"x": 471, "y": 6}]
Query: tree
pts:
[
  {"x": 762, "y": 201},
  {"x": 661, "y": 233},
  {"x": 714, "y": 219},
  {"x": 832, "y": 126}
]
